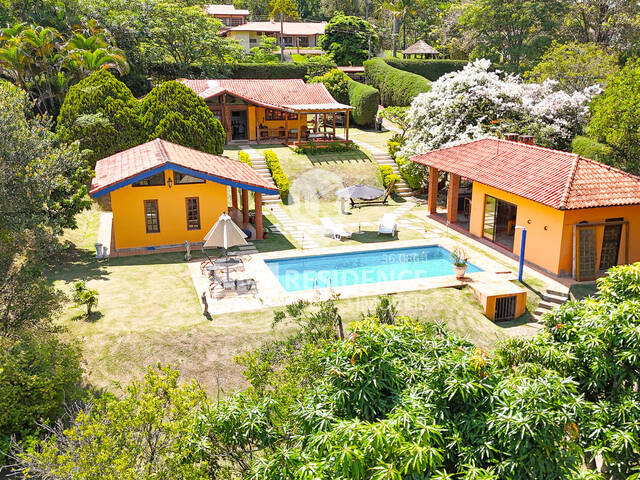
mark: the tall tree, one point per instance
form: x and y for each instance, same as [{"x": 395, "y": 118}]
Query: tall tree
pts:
[
  {"x": 348, "y": 38},
  {"x": 575, "y": 66},
  {"x": 616, "y": 117},
  {"x": 514, "y": 32}
]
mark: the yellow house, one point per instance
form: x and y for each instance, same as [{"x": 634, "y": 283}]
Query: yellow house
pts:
[
  {"x": 288, "y": 110},
  {"x": 163, "y": 194},
  {"x": 581, "y": 217}
]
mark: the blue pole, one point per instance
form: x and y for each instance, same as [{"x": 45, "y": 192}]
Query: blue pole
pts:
[{"x": 523, "y": 241}]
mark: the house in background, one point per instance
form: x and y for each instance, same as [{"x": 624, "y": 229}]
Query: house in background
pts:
[
  {"x": 227, "y": 14},
  {"x": 582, "y": 217},
  {"x": 163, "y": 194},
  {"x": 294, "y": 34},
  {"x": 288, "y": 110}
]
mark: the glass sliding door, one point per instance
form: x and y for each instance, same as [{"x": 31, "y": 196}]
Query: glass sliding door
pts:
[
  {"x": 489, "y": 218},
  {"x": 499, "y": 221}
]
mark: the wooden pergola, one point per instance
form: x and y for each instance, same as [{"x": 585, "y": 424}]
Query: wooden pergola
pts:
[{"x": 318, "y": 131}]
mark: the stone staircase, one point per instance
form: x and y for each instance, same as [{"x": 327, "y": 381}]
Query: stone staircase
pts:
[
  {"x": 550, "y": 300},
  {"x": 382, "y": 157},
  {"x": 402, "y": 188},
  {"x": 260, "y": 166}
]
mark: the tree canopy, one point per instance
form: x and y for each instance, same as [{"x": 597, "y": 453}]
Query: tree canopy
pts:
[
  {"x": 346, "y": 38},
  {"x": 616, "y": 117}
]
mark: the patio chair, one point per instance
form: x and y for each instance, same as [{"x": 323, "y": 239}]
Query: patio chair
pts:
[
  {"x": 336, "y": 231},
  {"x": 377, "y": 201},
  {"x": 207, "y": 261},
  {"x": 388, "y": 225}
]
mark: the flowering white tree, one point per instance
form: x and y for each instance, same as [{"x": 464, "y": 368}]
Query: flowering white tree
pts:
[{"x": 477, "y": 102}]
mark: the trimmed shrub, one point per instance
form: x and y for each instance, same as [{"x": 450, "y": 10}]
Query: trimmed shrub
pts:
[
  {"x": 365, "y": 99},
  {"x": 312, "y": 147},
  {"x": 396, "y": 87},
  {"x": 268, "y": 70},
  {"x": 412, "y": 173},
  {"x": 279, "y": 177},
  {"x": 589, "y": 148},
  {"x": 173, "y": 112},
  {"x": 101, "y": 113},
  {"x": 394, "y": 144},
  {"x": 244, "y": 158},
  {"x": 387, "y": 176},
  {"x": 432, "y": 70}
]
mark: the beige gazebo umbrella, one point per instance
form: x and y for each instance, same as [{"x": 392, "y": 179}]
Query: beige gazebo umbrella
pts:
[{"x": 224, "y": 234}]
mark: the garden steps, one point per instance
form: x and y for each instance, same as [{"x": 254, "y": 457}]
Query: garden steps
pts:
[
  {"x": 550, "y": 300},
  {"x": 259, "y": 164},
  {"x": 383, "y": 158}
]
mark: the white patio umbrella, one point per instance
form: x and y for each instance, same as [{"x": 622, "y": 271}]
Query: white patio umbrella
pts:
[{"x": 225, "y": 234}]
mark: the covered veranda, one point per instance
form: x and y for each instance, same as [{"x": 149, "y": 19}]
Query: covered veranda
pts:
[{"x": 309, "y": 123}]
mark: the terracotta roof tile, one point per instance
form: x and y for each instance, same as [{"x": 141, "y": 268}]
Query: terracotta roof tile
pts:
[
  {"x": 284, "y": 93},
  {"x": 558, "y": 179},
  {"x": 420, "y": 47},
  {"x": 118, "y": 168}
]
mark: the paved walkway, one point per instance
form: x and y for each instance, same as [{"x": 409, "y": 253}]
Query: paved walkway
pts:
[{"x": 296, "y": 230}]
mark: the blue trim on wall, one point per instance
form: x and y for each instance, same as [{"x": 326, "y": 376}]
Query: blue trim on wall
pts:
[{"x": 186, "y": 171}]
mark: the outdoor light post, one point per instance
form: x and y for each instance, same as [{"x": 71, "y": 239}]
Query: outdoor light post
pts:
[{"x": 523, "y": 242}]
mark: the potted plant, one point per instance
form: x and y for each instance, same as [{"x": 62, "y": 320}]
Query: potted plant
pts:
[{"x": 459, "y": 260}]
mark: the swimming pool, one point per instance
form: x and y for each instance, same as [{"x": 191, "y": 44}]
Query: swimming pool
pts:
[{"x": 356, "y": 268}]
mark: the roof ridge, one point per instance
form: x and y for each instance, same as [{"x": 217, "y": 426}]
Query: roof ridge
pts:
[
  {"x": 569, "y": 185},
  {"x": 162, "y": 149}
]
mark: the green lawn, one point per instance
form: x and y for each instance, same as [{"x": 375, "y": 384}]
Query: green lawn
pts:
[{"x": 148, "y": 312}]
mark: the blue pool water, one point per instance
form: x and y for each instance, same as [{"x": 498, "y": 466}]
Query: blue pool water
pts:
[{"x": 358, "y": 268}]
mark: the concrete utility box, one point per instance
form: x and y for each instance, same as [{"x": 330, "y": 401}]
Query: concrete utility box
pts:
[{"x": 501, "y": 300}]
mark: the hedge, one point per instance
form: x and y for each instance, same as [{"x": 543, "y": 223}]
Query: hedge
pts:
[
  {"x": 397, "y": 88},
  {"x": 365, "y": 99},
  {"x": 430, "y": 69},
  {"x": 412, "y": 173},
  {"x": 171, "y": 71},
  {"x": 245, "y": 158},
  {"x": 279, "y": 177},
  {"x": 589, "y": 148}
]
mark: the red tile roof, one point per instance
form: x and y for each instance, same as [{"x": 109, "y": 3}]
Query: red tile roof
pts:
[
  {"x": 558, "y": 179},
  {"x": 291, "y": 94},
  {"x": 131, "y": 165}
]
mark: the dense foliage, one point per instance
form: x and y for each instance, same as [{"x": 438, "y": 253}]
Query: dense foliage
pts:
[
  {"x": 430, "y": 69},
  {"x": 101, "y": 113},
  {"x": 42, "y": 188},
  {"x": 589, "y": 148},
  {"x": 392, "y": 398},
  {"x": 363, "y": 97},
  {"x": 44, "y": 62},
  {"x": 348, "y": 38},
  {"x": 616, "y": 117},
  {"x": 173, "y": 112},
  {"x": 397, "y": 87},
  {"x": 279, "y": 177},
  {"x": 574, "y": 66},
  {"x": 477, "y": 101}
]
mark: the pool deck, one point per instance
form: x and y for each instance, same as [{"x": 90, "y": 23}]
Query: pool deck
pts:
[{"x": 270, "y": 293}]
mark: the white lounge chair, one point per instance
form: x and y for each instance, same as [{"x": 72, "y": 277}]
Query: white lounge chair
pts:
[
  {"x": 336, "y": 231},
  {"x": 388, "y": 225}
]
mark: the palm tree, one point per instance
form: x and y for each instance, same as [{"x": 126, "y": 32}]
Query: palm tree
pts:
[
  {"x": 87, "y": 61},
  {"x": 399, "y": 9}
]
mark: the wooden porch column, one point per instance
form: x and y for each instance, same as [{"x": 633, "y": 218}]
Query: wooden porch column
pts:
[
  {"x": 286, "y": 127},
  {"x": 334, "y": 126},
  {"x": 299, "y": 127},
  {"x": 432, "y": 198},
  {"x": 315, "y": 122},
  {"x": 452, "y": 198},
  {"x": 325, "y": 125},
  {"x": 346, "y": 133},
  {"x": 234, "y": 197},
  {"x": 245, "y": 207},
  {"x": 258, "y": 213}
]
